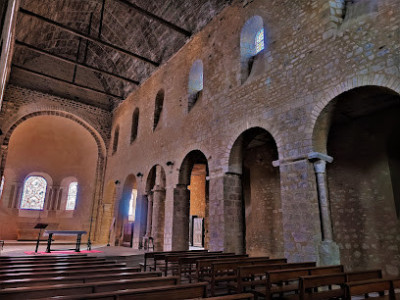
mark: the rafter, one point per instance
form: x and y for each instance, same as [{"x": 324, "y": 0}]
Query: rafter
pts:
[
  {"x": 42, "y": 75},
  {"x": 155, "y": 17},
  {"x": 71, "y": 61},
  {"x": 87, "y": 37}
]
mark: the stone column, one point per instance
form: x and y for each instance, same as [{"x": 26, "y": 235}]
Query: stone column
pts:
[
  {"x": 149, "y": 213},
  {"x": 328, "y": 250},
  {"x": 180, "y": 228},
  {"x": 233, "y": 214},
  {"x": 157, "y": 228}
]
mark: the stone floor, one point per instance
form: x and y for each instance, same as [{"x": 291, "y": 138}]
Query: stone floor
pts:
[{"x": 14, "y": 248}]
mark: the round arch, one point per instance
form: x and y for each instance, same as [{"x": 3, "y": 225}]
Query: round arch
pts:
[
  {"x": 254, "y": 192},
  {"x": 360, "y": 129}
]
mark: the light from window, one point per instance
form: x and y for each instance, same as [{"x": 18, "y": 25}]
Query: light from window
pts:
[
  {"x": 34, "y": 193},
  {"x": 1, "y": 186},
  {"x": 72, "y": 194},
  {"x": 132, "y": 206},
  {"x": 259, "y": 41}
]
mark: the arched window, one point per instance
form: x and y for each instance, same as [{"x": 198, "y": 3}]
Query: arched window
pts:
[
  {"x": 135, "y": 124},
  {"x": 158, "y": 108},
  {"x": 252, "y": 42},
  {"x": 132, "y": 206},
  {"x": 195, "y": 83},
  {"x": 72, "y": 194},
  {"x": 34, "y": 193},
  {"x": 259, "y": 42},
  {"x": 115, "y": 141}
]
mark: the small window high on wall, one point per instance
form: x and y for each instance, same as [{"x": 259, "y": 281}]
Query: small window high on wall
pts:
[
  {"x": 135, "y": 124},
  {"x": 158, "y": 108},
  {"x": 115, "y": 141},
  {"x": 195, "y": 83},
  {"x": 72, "y": 195},
  {"x": 34, "y": 193},
  {"x": 132, "y": 206},
  {"x": 252, "y": 42}
]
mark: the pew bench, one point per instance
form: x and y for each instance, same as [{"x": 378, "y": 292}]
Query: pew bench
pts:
[
  {"x": 187, "y": 265},
  {"x": 11, "y": 270},
  {"x": 244, "y": 296},
  {"x": 51, "y": 262},
  {"x": 75, "y": 279},
  {"x": 203, "y": 266},
  {"x": 362, "y": 289},
  {"x": 150, "y": 255},
  {"x": 50, "y": 274},
  {"x": 225, "y": 272},
  {"x": 174, "y": 292},
  {"x": 254, "y": 276},
  {"x": 84, "y": 288},
  {"x": 161, "y": 260}
]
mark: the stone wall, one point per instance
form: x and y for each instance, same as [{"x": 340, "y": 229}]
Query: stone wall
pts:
[{"x": 308, "y": 60}]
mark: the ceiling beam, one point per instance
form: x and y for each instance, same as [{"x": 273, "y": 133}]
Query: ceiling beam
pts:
[
  {"x": 71, "y": 61},
  {"x": 45, "y": 76},
  {"x": 87, "y": 37},
  {"x": 155, "y": 17}
]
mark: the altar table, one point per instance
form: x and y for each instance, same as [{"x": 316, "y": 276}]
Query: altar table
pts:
[{"x": 65, "y": 232}]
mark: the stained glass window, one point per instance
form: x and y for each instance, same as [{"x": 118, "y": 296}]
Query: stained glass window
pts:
[
  {"x": 132, "y": 206},
  {"x": 72, "y": 193},
  {"x": 259, "y": 40},
  {"x": 34, "y": 193}
]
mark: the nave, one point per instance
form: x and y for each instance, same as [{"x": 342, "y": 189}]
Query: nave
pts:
[{"x": 185, "y": 275}]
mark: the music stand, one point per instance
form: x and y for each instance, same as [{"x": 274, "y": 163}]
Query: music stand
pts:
[{"x": 39, "y": 226}]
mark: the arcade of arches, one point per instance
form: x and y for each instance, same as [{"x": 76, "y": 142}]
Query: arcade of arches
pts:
[{"x": 291, "y": 151}]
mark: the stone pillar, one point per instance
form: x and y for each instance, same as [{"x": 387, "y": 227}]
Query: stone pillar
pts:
[
  {"x": 158, "y": 219},
  {"x": 143, "y": 215},
  {"x": 233, "y": 214},
  {"x": 180, "y": 228},
  {"x": 149, "y": 213},
  {"x": 328, "y": 250}
]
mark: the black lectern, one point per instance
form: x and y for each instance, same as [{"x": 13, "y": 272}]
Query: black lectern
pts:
[{"x": 39, "y": 226}]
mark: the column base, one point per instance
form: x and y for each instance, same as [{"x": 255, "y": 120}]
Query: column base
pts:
[{"x": 329, "y": 253}]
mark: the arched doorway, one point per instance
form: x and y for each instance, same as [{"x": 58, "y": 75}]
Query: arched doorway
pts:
[
  {"x": 360, "y": 129},
  {"x": 193, "y": 178},
  {"x": 126, "y": 213},
  {"x": 155, "y": 190},
  {"x": 259, "y": 183}
]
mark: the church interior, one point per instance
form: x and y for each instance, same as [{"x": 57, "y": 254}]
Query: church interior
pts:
[{"x": 249, "y": 132}]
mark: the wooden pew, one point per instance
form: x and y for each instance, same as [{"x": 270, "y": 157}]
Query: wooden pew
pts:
[
  {"x": 395, "y": 292},
  {"x": 187, "y": 265},
  {"x": 362, "y": 288},
  {"x": 84, "y": 288},
  {"x": 55, "y": 267},
  {"x": 310, "y": 286},
  {"x": 171, "y": 261},
  {"x": 160, "y": 259},
  {"x": 38, "y": 257},
  {"x": 50, "y": 274},
  {"x": 254, "y": 276},
  {"x": 175, "y": 292},
  {"x": 76, "y": 279},
  {"x": 244, "y": 296},
  {"x": 287, "y": 280},
  {"x": 203, "y": 266},
  {"x": 363, "y": 275},
  {"x": 150, "y": 255},
  {"x": 49, "y": 262},
  {"x": 227, "y": 271}
]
